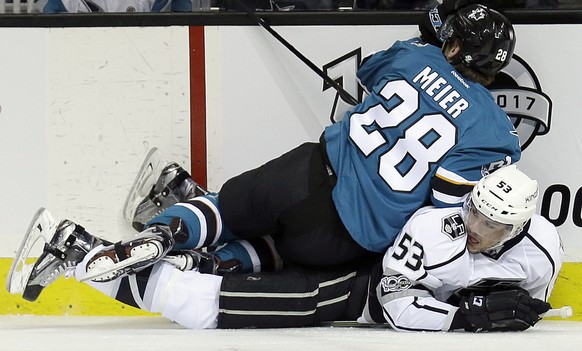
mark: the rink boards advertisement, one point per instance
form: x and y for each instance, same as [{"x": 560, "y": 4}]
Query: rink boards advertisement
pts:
[{"x": 74, "y": 127}]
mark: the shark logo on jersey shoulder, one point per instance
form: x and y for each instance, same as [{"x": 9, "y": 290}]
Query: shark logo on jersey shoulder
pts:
[{"x": 453, "y": 226}]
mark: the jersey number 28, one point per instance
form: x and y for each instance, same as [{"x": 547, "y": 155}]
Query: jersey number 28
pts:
[{"x": 412, "y": 150}]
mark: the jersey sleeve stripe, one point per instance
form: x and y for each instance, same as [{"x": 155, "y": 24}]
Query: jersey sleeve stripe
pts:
[
  {"x": 449, "y": 187},
  {"x": 400, "y": 327},
  {"x": 549, "y": 257},
  {"x": 429, "y": 308},
  {"x": 454, "y": 258}
]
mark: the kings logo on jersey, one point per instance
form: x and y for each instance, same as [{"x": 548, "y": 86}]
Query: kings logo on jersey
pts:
[{"x": 453, "y": 226}]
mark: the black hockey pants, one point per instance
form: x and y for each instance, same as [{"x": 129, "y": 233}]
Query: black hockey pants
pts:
[
  {"x": 290, "y": 199},
  {"x": 296, "y": 297}
]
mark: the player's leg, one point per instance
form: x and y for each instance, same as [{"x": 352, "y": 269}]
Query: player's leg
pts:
[
  {"x": 241, "y": 256},
  {"x": 186, "y": 297},
  {"x": 67, "y": 244},
  {"x": 173, "y": 195},
  {"x": 255, "y": 254},
  {"x": 198, "y": 223},
  {"x": 294, "y": 297},
  {"x": 291, "y": 298},
  {"x": 315, "y": 235},
  {"x": 163, "y": 192},
  {"x": 291, "y": 199},
  {"x": 252, "y": 202}
]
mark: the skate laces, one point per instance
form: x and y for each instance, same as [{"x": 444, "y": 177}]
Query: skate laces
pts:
[{"x": 66, "y": 269}]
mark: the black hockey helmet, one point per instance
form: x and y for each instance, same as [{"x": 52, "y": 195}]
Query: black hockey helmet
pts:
[{"x": 487, "y": 37}]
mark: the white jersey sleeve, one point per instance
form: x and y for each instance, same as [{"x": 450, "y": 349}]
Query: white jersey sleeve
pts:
[
  {"x": 428, "y": 266},
  {"x": 425, "y": 258},
  {"x": 547, "y": 250}
]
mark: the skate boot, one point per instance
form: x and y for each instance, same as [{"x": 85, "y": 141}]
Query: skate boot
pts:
[
  {"x": 66, "y": 249},
  {"x": 147, "y": 199},
  {"x": 203, "y": 262},
  {"x": 131, "y": 256}
]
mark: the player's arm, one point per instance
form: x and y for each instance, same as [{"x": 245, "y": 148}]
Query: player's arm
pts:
[
  {"x": 421, "y": 261},
  {"x": 463, "y": 167},
  {"x": 545, "y": 254},
  {"x": 449, "y": 188},
  {"x": 429, "y": 254},
  {"x": 408, "y": 305},
  {"x": 411, "y": 306}
]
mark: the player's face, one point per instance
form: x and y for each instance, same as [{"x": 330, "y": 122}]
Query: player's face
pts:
[{"x": 483, "y": 233}]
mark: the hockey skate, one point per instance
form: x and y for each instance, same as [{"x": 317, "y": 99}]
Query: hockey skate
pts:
[
  {"x": 203, "y": 262},
  {"x": 66, "y": 244},
  {"x": 197, "y": 260},
  {"x": 131, "y": 256},
  {"x": 158, "y": 185}
]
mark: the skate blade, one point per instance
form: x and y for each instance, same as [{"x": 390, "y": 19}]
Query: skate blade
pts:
[
  {"x": 104, "y": 269},
  {"x": 42, "y": 226},
  {"x": 146, "y": 177}
]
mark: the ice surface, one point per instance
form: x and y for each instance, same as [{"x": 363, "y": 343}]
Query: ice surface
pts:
[{"x": 23, "y": 333}]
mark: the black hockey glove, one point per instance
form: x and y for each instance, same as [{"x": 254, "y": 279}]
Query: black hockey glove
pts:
[
  {"x": 433, "y": 19},
  {"x": 511, "y": 310}
]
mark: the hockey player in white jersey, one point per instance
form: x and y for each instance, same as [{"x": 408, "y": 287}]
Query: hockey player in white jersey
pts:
[
  {"x": 447, "y": 267},
  {"x": 489, "y": 265}
]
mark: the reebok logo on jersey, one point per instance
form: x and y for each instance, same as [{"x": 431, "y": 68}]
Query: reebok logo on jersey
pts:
[
  {"x": 438, "y": 89},
  {"x": 453, "y": 226},
  {"x": 390, "y": 284}
]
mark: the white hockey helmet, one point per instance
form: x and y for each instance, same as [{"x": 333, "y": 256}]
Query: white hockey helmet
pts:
[{"x": 506, "y": 196}]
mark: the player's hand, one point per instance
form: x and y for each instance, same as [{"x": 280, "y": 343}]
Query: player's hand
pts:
[{"x": 511, "y": 310}]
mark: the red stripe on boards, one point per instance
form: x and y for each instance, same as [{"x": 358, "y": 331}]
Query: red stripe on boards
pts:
[{"x": 197, "y": 106}]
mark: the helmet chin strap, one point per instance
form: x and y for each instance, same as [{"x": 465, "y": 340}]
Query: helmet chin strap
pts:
[{"x": 499, "y": 245}]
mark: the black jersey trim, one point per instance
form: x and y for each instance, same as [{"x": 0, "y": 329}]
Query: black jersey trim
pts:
[
  {"x": 429, "y": 308},
  {"x": 454, "y": 258},
  {"x": 510, "y": 243},
  {"x": 549, "y": 257},
  {"x": 452, "y": 189},
  {"x": 408, "y": 328}
]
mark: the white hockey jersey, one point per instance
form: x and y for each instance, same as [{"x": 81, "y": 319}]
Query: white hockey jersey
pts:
[{"x": 429, "y": 264}]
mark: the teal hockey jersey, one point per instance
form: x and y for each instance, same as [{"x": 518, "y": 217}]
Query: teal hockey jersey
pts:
[{"x": 424, "y": 135}]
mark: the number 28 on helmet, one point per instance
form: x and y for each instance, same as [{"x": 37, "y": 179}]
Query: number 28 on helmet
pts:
[{"x": 487, "y": 37}]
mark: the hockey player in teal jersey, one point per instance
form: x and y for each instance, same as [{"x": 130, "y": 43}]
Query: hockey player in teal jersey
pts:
[
  {"x": 489, "y": 265},
  {"x": 424, "y": 130},
  {"x": 425, "y": 134}
]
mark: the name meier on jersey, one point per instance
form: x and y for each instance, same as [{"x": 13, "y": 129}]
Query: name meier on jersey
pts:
[{"x": 441, "y": 91}]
